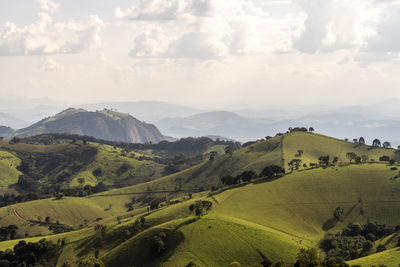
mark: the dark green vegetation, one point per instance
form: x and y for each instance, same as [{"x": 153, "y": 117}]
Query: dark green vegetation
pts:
[{"x": 298, "y": 198}]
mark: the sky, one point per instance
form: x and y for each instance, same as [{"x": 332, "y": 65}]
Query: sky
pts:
[{"x": 204, "y": 53}]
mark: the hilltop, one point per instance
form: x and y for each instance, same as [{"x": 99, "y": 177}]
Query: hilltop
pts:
[{"x": 105, "y": 124}]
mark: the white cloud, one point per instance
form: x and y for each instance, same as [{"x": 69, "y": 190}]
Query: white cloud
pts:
[
  {"x": 336, "y": 24},
  {"x": 49, "y": 6},
  {"x": 387, "y": 38},
  {"x": 45, "y": 37},
  {"x": 200, "y": 28}
]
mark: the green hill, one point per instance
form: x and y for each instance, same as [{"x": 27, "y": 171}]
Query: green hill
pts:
[
  {"x": 274, "y": 218},
  {"x": 73, "y": 165}
]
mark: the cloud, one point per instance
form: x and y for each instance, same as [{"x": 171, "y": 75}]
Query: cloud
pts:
[
  {"x": 336, "y": 25},
  {"x": 387, "y": 38},
  {"x": 199, "y": 29},
  {"x": 49, "y": 6},
  {"x": 45, "y": 37}
]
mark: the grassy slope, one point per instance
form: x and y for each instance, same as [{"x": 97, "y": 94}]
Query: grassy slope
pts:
[
  {"x": 8, "y": 172},
  {"x": 208, "y": 173},
  {"x": 274, "y": 217},
  {"x": 107, "y": 158},
  {"x": 390, "y": 258},
  {"x": 280, "y": 216},
  {"x": 315, "y": 145},
  {"x": 110, "y": 161}
]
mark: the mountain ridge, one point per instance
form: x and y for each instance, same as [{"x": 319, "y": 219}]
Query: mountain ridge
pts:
[{"x": 104, "y": 124}]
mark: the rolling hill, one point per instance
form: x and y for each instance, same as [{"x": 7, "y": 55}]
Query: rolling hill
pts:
[
  {"x": 105, "y": 124},
  {"x": 64, "y": 164},
  {"x": 276, "y": 217}
]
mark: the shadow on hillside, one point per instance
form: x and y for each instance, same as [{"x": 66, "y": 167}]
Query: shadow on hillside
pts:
[
  {"x": 185, "y": 223},
  {"x": 258, "y": 181},
  {"x": 329, "y": 224}
]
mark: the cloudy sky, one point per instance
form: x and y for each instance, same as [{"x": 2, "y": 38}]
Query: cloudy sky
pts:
[{"x": 206, "y": 53}]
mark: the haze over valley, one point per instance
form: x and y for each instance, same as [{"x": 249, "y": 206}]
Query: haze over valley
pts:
[{"x": 196, "y": 133}]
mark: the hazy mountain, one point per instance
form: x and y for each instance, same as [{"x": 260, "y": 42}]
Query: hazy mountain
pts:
[
  {"x": 150, "y": 111},
  {"x": 105, "y": 124},
  {"x": 9, "y": 120},
  {"x": 221, "y": 123},
  {"x": 6, "y": 131}
]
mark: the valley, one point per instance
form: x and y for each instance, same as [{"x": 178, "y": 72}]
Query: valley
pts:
[{"x": 273, "y": 217}]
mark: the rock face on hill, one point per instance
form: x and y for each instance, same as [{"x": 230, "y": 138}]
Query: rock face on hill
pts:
[{"x": 105, "y": 124}]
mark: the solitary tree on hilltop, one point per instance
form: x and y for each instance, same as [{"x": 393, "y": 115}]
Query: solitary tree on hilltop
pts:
[
  {"x": 311, "y": 129},
  {"x": 361, "y": 140},
  {"x": 376, "y": 143},
  {"x": 386, "y": 145}
]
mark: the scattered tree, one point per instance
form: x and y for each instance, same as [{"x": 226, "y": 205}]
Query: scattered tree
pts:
[
  {"x": 387, "y": 144},
  {"x": 376, "y": 143},
  {"x": 361, "y": 140},
  {"x": 307, "y": 257},
  {"x": 200, "y": 207},
  {"x": 272, "y": 171},
  {"x": 247, "y": 176},
  {"x": 351, "y": 156},
  {"x": 294, "y": 164},
  {"x": 324, "y": 160},
  {"x": 154, "y": 204}
]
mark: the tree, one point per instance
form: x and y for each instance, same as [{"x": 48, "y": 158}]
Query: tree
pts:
[
  {"x": 357, "y": 160},
  {"x": 364, "y": 158},
  {"x": 272, "y": 171},
  {"x": 228, "y": 180},
  {"x": 200, "y": 207},
  {"x": 311, "y": 129},
  {"x": 387, "y": 144},
  {"x": 299, "y": 153},
  {"x": 248, "y": 175},
  {"x": 335, "y": 160},
  {"x": 338, "y": 213},
  {"x": 229, "y": 150},
  {"x": 376, "y": 143},
  {"x": 351, "y": 156},
  {"x": 384, "y": 158},
  {"x": 47, "y": 219},
  {"x": 355, "y": 140},
  {"x": 295, "y": 163},
  {"x": 154, "y": 204},
  {"x": 361, "y": 140},
  {"x": 81, "y": 181},
  {"x": 307, "y": 257},
  {"x": 213, "y": 154},
  {"x": 324, "y": 160}
]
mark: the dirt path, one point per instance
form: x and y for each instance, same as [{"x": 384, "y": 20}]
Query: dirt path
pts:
[{"x": 19, "y": 216}]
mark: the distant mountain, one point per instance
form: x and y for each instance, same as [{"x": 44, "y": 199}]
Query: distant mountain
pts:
[
  {"x": 150, "y": 111},
  {"x": 11, "y": 121},
  {"x": 221, "y": 123},
  {"x": 6, "y": 131},
  {"x": 105, "y": 124}
]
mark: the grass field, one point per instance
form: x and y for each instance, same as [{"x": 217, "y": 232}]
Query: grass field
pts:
[{"x": 275, "y": 217}]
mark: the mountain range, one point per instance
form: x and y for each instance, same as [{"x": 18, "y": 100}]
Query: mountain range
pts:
[{"x": 372, "y": 121}]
